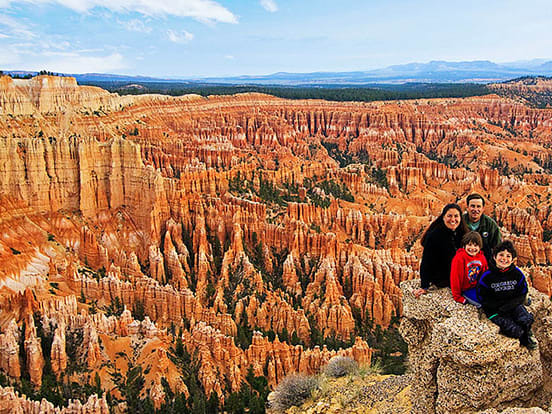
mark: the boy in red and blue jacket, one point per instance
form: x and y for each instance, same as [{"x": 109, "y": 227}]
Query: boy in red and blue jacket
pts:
[{"x": 467, "y": 266}]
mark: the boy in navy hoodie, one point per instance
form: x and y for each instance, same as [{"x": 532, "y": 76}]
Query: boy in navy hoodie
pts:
[{"x": 502, "y": 291}]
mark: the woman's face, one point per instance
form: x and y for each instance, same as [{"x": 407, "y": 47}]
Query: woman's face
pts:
[{"x": 452, "y": 218}]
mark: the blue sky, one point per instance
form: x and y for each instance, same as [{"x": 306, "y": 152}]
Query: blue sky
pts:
[{"x": 201, "y": 38}]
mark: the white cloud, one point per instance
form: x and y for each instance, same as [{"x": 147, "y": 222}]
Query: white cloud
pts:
[
  {"x": 26, "y": 58},
  {"x": 15, "y": 28},
  {"x": 135, "y": 25},
  {"x": 60, "y": 54},
  {"x": 179, "y": 37},
  {"x": 21, "y": 48},
  {"x": 75, "y": 63},
  {"x": 269, "y": 5},
  {"x": 53, "y": 43},
  {"x": 229, "y": 57},
  {"x": 95, "y": 50},
  {"x": 204, "y": 10}
]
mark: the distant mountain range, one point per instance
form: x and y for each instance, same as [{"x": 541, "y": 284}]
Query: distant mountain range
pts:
[
  {"x": 434, "y": 71},
  {"x": 481, "y": 71}
]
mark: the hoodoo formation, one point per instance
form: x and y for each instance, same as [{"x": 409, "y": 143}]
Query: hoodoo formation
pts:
[{"x": 154, "y": 249}]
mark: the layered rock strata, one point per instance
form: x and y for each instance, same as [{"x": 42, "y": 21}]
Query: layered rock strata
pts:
[
  {"x": 225, "y": 215},
  {"x": 50, "y": 94}
]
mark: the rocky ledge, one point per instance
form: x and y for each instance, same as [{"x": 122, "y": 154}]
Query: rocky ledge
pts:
[{"x": 461, "y": 364}]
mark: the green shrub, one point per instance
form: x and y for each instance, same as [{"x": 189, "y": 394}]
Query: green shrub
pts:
[
  {"x": 292, "y": 391},
  {"x": 138, "y": 310},
  {"x": 116, "y": 307},
  {"x": 340, "y": 366}
]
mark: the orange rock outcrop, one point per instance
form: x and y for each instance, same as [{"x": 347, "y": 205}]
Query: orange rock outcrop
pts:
[
  {"x": 50, "y": 94},
  {"x": 229, "y": 214},
  {"x": 11, "y": 401}
]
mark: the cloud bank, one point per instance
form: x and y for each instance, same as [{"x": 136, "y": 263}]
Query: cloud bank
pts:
[
  {"x": 84, "y": 64},
  {"x": 203, "y": 10},
  {"x": 10, "y": 27},
  {"x": 78, "y": 61}
]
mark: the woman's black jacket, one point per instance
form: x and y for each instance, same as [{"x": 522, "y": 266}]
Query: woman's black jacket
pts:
[{"x": 440, "y": 246}]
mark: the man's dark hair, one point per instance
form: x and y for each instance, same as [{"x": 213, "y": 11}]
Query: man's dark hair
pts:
[
  {"x": 475, "y": 196},
  {"x": 505, "y": 245},
  {"x": 472, "y": 237}
]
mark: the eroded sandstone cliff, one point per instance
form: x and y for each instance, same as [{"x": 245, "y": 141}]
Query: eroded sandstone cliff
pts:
[
  {"x": 243, "y": 231},
  {"x": 461, "y": 363}
]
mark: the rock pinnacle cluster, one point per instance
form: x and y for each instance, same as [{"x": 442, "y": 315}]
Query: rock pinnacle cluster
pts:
[{"x": 189, "y": 243}]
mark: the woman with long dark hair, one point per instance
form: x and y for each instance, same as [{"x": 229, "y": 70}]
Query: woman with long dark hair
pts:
[{"x": 441, "y": 240}]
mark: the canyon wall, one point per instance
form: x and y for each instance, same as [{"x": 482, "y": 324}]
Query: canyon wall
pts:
[{"x": 245, "y": 231}]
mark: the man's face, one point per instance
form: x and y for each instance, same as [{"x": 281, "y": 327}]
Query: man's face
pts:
[{"x": 475, "y": 209}]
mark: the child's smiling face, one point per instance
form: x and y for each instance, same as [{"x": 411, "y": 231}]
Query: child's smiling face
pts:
[
  {"x": 504, "y": 259},
  {"x": 472, "y": 249}
]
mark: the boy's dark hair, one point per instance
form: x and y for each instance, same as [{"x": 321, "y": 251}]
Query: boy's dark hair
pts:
[
  {"x": 472, "y": 237},
  {"x": 505, "y": 245},
  {"x": 475, "y": 196}
]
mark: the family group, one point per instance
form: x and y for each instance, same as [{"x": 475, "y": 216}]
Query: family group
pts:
[{"x": 465, "y": 252}]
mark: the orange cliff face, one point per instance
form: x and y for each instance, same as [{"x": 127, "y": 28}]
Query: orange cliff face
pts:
[
  {"x": 221, "y": 223},
  {"x": 50, "y": 94}
]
